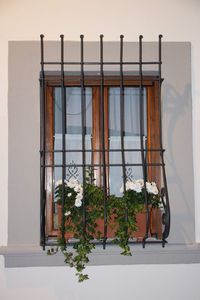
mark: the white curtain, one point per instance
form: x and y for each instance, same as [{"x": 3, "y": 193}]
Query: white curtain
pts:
[
  {"x": 72, "y": 141},
  {"x": 132, "y": 172},
  {"x": 73, "y": 138},
  {"x": 131, "y": 138}
]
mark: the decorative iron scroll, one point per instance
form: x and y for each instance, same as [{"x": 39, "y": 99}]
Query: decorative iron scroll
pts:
[
  {"x": 72, "y": 171},
  {"x": 129, "y": 174}
]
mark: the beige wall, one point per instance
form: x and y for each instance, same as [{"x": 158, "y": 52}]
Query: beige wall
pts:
[
  {"x": 177, "y": 20},
  {"x": 118, "y": 283},
  {"x": 23, "y": 130}
]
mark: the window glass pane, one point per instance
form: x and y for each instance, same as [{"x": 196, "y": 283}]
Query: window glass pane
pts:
[
  {"x": 73, "y": 136},
  {"x": 131, "y": 138},
  {"x": 131, "y": 111},
  {"x": 73, "y": 110}
]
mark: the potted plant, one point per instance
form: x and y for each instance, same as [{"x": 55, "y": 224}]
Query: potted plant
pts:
[
  {"x": 122, "y": 214},
  {"x": 130, "y": 208},
  {"x": 74, "y": 227}
]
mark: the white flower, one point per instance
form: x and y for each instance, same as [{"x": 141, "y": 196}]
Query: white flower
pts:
[
  {"x": 78, "y": 203},
  {"x": 72, "y": 183},
  {"x": 79, "y": 196},
  {"x": 78, "y": 200},
  {"x": 148, "y": 187},
  {"x": 137, "y": 187},
  {"x": 141, "y": 182},
  {"x": 129, "y": 185},
  {"x": 152, "y": 188},
  {"x": 68, "y": 213},
  {"x": 78, "y": 188},
  {"x": 134, "y": 185},
  {"x": 81, "y": 190},
  {"x": 69, "y": 194},
  {"x": 58, "y": 182},
  {"x": 155, "y": 190}
]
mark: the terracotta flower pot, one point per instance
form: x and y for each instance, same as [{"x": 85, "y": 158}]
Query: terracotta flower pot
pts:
[{"x": 155, "y": 225}]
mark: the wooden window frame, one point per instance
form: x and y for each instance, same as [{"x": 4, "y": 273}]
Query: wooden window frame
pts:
[{"x": 151, "y": 83}]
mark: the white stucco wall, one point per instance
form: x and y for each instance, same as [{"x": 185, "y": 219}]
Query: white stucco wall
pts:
[
  {"x": 118, "y": 282},
  {"x": 177, "y": 20}
]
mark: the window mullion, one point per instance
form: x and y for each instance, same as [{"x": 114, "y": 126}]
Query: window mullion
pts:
[
  {"x": 49, "y": 160},
  {"x": 96, "y": 134},
  {"x": 106, "y": 133}
]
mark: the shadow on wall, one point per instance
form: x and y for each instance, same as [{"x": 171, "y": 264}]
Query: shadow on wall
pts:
[{"x": 177, "y": 109}]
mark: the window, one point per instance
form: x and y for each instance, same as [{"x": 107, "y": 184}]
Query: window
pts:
[
  {"x": 94, "y": 135},
  {"x": 110, "y": 123}
]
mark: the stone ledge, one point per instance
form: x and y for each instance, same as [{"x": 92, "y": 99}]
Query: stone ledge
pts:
[{"x": 16, "y": 257}]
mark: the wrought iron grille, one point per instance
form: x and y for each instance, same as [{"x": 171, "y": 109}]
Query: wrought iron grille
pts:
[{"x": 70, "y": 169}]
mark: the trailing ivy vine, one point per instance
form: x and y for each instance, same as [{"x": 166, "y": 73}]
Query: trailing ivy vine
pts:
[{"x": 121, "y": 215}]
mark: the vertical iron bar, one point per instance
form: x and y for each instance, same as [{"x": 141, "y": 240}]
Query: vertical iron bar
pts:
[
  {"x": 159, "y": 85},
  {"x": 63, "y": 136},
  {"x": 83, "y": 122},
  {"x": 53, "y": 157},
  {"x": 103, "y": 140},
  {"x": 42, "y": 146},
  {"x": 122, "y": 119},
  {"x": 144, "y": 166},
  {"x": 166, "y": 231}
]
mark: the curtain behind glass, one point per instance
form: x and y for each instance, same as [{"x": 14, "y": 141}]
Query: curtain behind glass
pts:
[
  {"x": 73, "y": 135},
  {"x": 131, "y": 138}
]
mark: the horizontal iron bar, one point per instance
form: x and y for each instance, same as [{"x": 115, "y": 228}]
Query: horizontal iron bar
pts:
[
  {"x": 101, "y": 165},
  {"x": 105, "y": 150},
  {"x": 110, "y": 241},
  {"x": 98, "y": 63}
]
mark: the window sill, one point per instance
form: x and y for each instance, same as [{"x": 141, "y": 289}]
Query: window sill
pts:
[{"x": 153, "y": 254}]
